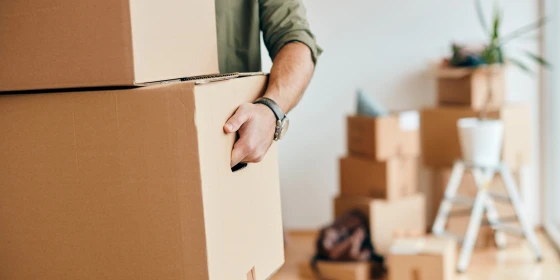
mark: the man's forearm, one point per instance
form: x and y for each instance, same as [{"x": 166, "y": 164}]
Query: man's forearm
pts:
[{"x": 291, "y": 72}]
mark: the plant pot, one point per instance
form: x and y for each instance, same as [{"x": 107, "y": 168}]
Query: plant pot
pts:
[{"x": 481, "y": 140}]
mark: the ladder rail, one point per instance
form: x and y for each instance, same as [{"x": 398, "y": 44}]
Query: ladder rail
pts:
[{"x": 528, "y": 230}]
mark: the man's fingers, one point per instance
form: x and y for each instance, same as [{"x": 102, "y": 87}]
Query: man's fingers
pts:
[
  {"x": 245, "y": 151},
  {"x": 240, "y": 151},
  {"x": 237, "y": 120}
]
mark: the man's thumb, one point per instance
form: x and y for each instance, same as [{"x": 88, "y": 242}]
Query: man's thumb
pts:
[{"x": 236, "y": 121}]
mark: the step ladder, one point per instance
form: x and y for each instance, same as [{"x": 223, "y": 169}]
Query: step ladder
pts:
[{"x": 482, "y": 204}]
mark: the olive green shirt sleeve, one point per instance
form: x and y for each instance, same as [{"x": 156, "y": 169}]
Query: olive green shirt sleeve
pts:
[{"x": 285, "y": 21}]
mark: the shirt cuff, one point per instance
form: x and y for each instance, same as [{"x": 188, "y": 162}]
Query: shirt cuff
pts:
[{"x": 301, "y": 36}]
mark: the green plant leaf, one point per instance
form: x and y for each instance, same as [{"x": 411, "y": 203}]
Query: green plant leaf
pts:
[
  {"x": 539, "y": 59},
  {"x": 520, "y": 65},
  {"x": 524, "y": 29},
  {"x": 496, "y": 27},
  {"x": 480, "y": 14}
]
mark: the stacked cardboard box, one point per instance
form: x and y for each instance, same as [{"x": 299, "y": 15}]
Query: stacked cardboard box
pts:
[
  {"x": 379, "y": 175},
  {"x": 127, "y": 183},
  {"x": 462, "y": 93}
]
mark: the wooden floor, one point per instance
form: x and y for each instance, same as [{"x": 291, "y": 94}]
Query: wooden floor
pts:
[{"x": 513, "y": 263}]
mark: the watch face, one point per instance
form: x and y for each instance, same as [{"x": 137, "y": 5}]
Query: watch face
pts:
[{"x": 285, "y": 126}]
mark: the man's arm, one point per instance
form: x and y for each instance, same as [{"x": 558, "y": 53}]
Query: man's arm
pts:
[
  {"x": 293, "y": 50},
  {"x": 290, "y": 74}
]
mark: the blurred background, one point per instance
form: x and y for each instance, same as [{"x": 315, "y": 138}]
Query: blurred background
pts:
[{"x": 391, "y": 50}]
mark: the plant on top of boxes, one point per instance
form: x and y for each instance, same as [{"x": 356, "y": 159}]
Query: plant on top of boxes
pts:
[{"x": 474, "y": 75}]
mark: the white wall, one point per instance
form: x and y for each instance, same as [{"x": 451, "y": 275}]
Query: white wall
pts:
[{"x": 385, "y": 47}]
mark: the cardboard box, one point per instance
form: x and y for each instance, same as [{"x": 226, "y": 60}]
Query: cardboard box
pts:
[
  {"x": 386, "y": 217},
  {"x": 440, "y": 139},
  {"x": 391, "y": 179},
  {"x": 428, "y": 258},
  {"x": 470, "y": 87},
  {"x": 135, "y": 184},
  {"x": 337, "y": 270},
  {"x": 458, "y": 224},
  {"x": 384, "y": 137},
  {"x": 94, "y": 43}
]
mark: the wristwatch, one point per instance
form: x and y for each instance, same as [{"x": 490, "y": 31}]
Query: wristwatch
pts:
[{"x": 282, "y": 121}]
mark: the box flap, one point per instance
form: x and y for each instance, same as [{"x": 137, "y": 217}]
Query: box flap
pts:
[
  {"x": 460, "y": 72},
  {"x": 454, "y": 72},
  {"x": 436, "y": 246},
  {"x": 407, "y": 247},
  {"x": 222, "y": 77},
  {"x": 420, "y": 246},
  {"x": 409, "y": 120}
]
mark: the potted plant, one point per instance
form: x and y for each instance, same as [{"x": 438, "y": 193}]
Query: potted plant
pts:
[{"x": 481, "y": 138}]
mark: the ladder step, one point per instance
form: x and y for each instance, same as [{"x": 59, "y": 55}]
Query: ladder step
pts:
[
  {"x": 464, "y": 200},
  {"x": 460, "y": 213},
  {"x": 499, "y": 197},
  {"x": 509, "y": 229},
  {"x": 501, "y": 221},
  {"x": 508, "y": 219}
]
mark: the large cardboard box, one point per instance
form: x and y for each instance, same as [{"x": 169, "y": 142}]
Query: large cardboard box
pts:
[
  {"x": 386, "y": 217},
  {"x": 440, "y": 139},
  {"x": 384, "y": 137},
  {"x": 428, "y": 258},
  {"x": 92, "y": 43},
  {"x": 135, "y": 184},
  {"x": 391, "y": 179},
  {"x": 337, "y": 270},
  {"x": 470, "y": 87}
]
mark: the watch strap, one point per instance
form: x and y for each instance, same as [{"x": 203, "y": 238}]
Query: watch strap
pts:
[{"x": 273, "y": 106}]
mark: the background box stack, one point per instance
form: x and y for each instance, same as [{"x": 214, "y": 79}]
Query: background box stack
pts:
[
  {"x": 380, "y": 175},
  {"x": 122, "y": 179},
  {"x": 462, "y": 93}
]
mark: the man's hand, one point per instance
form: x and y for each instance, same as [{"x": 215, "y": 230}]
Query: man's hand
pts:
[
  {"x": 256, "y": 123},
  {"x": 256, "y": 126}
]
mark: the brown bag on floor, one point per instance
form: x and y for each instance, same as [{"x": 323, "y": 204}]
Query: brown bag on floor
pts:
[{"x": 346, "y": 240}]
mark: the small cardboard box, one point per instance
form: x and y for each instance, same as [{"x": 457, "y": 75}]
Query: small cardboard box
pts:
[
  {"x": 384, "y": 137},
  {"x": 93, "y": 43},
  {"x": 135, "y": 184},
  {"x": 458, "y": 226},
  {"x": 440, "y": 137},
  {"x": 419, "y": 259},
  {"x": 386, "y": 217},
  {"x": 470, "y": 87},
  {"x": 391, "y": 179},
  {"x": 337, "y": 270}
]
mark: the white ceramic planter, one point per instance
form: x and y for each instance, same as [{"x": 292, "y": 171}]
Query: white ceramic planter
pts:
[{"x": 481, "y": 140}]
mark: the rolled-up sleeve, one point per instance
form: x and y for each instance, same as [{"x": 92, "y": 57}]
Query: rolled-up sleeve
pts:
[{"x": 285, "y": 21}]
